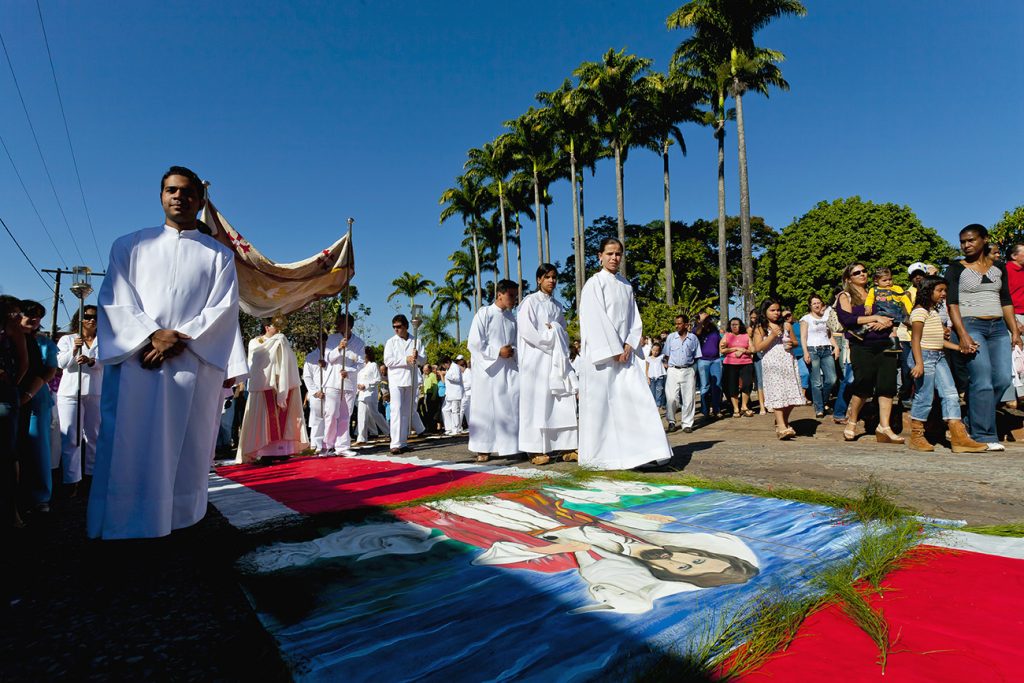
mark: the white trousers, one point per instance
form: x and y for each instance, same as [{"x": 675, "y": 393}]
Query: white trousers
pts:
[
  {"x": 465, "y": 411},
  {"x": 339, "y": 415},
  {"x": 317, "y": 421},
  {"x": 680, "y": 384},
  {"x": 71, "y": 456},
  {"x": 451, "y": 411},
  {"x": 370, "y": 420},
  {"x": 403, "y": 406}
]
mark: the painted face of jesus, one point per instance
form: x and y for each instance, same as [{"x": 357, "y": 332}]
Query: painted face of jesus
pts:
[{"x": 687, "y": 564}]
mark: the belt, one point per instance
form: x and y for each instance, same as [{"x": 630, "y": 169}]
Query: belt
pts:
[{"x": 681, "y": 367}]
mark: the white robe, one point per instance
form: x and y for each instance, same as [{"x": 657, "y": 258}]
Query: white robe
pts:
[
  {"x": 273, "y": 388},
  {"x": 317, "y": 380},
  {"x": 547, "y": 409},
  {"x": 159, "y": 427},
  {"x": 494, "y": 422},
  {"x": 620, "y": 427}
]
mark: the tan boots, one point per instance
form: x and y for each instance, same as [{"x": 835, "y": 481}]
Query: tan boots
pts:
[
  {"x": 960, "y": 441},
  {"x": 917, "y": 441}
]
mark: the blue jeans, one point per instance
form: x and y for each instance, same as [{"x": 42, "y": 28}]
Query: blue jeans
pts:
[
  {"x": 937, "y": 376},
  {"x": 758, "y": 375},
  {"x": 989, "y": 370},
  {"x": 839, "y": 409},
  {"x": 709, "y": 374},
  {"x": 823, "y": 375},
  {"x": 658, "y": 390}
]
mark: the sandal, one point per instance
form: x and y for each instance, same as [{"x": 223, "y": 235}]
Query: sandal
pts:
[
  {"x": 540, "y": 459},
  {"x": 737, "y": 414},
  {"x": 886, "y": 435},
  {"x": 571, "y": 456},
  {"x": 850, "y": 433},
  {"x": 483, "y": 457},
  {"x": 748, "y": 413},
  {"x": 785, "y": 434}
]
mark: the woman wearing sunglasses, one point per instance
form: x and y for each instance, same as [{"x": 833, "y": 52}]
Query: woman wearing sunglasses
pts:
[
  {"x": 874, "y": 370},
  {"x": 77, "y": 356}
]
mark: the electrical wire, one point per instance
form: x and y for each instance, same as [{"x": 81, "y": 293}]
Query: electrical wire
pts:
[
  {"x": 18, "y": 244},
  {"x": 56, "y": 249},
  {"x": 39, "y": 148},
  {"x": 67, "y": 131}
]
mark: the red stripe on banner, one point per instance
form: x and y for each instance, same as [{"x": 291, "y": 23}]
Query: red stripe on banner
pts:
[
  {"x": 953, "y": 616},
  {"x": 314, "y": 485}
]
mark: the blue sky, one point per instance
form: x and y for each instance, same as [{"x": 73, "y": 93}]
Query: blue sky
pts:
[{"x": 302, "y": 114}]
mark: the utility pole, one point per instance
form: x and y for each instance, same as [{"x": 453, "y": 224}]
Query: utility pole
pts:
[{"x": 57, "y": 272}]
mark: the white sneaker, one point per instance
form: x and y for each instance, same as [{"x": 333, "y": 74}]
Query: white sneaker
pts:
[
  {"x": 995, "y": 447},
  {"x": 348, "y": 453}
]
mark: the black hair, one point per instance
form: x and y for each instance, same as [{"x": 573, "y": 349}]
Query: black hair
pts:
[
  {"x": 978, "y": 228},
  {"x": 400, "y": 318},
  {"x": 342, "y": 315},
  {"x": 608, "y": 240},
  {"x": 506, "y": 286},
  {"x": 371, "y": 354},
  {"x": 925, "y": 291},
  {"x": 187, "y": 173},
  {"x": 76, "y": 323},
  {"x": 811, "y": 298},
  {"x": 743, "y": 328},
  {"x": 544, "y": 269},
  {"x": 762, "y": 313},
  {"x": 8, "y": 303},
  {"x": 738, "y": 571},
  {"x": 686, "y": 318},
  {"x": 32, "y": 309}
]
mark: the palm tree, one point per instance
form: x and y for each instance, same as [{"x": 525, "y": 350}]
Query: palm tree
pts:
[
  {"x": 671, "y": 100},
  {"x": 469, "y": 200},
  {"x": 530, "y": 146},
  {"x": 410, "y": 285},
  {"x": 451, "y": 297},
  {"x": 490, "y": 161},
  {"x": 725, "y": 30},
  {"x": 434, "y": 328},
  {"x": 613, "y": 91}
]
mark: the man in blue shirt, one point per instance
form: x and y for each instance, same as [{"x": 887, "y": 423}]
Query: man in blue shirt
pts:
[{"x": 682, "y": 349}]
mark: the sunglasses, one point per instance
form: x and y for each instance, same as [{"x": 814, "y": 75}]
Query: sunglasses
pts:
[
  {"x": 857, "y": 272},
  {"x": 89, "y": 316},
  {"x": 398, "y": 327}
]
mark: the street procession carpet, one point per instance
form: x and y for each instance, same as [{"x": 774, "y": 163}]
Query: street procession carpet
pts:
[{"x": 395, "y": 568}]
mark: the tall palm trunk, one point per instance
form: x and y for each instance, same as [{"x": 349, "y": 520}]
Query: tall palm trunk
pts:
[
  {"x": 669, "y": 293},
  {"x": 620, "y": 204},
  {"x": 476, "y": 260},
  {"x": 519, "y": 253},
  {"x": 747, "y": 259},
  {"x": 577, "y": 242},
  {"x": 504, "y": 229},
  {"x": 583, "y": 240},
  {"x": 547, "y": 233},
  {"x": 458, "y": 332},
  {"x": 723, "y": 266},
  {"x": 537, "y": 216}
]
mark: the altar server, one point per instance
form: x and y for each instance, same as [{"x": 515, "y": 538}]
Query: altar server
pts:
[
  {"x": 369, "y": 418},
  {"x": 494, "y": 422},
  {"x": 454, "y": 395},
  {"x": 402, "y": 356},
  {"x": 346, "y": 351},
  {"x": 168, "y": 339},
  {"x": 620, "y": 427},
  {"x": 547, "y": 383},
  {"x": 317, "y": 375}
]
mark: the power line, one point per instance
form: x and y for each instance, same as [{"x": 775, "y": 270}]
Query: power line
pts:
[
  {"x": 67, "y": 131},
  {"x": 39, "y": 148},
  {"x": 34, "y": 208},
  {"x": 18, "y": 244}
]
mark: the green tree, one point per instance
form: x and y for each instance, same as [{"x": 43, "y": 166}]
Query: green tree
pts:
[
  {"x": 434, "y": 328},
  {"x": 809, "y": 255},
  {"x": 614, "y": 92},
  {"x": 491, "y": 162},
  {"x": 468, "y": 199},
  {"x": 724, "y": 32},
  {"x": 410, "y": 285},
  {"x": 446, "y": 348},
  {"x": 529, "y": 145},
  {"x": 1009, "y": 230},
  {"x": 451, "y": 297}
]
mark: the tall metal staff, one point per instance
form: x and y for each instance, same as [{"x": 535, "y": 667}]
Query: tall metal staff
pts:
[
  {"x": 348, "y": 332},
  {"x": 416, "y": 310},
  {"x": 81, "y": 288}
]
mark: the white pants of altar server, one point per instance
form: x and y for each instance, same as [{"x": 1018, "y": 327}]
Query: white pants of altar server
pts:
[
  {"x": 317, "y": 421},
  {"x": 465, "y": 411},
  {"x": 71, "y": 455},
  {"x": 339, "y": 415},
  {"x": 403, "y": 406},
  {"x": 369, "y": 417},
  {"x": 680, "y": 384},
  {"x": 451, "y": 411}
]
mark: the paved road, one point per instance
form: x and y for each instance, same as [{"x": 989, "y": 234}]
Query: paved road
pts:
[{"x": 980, "y": 488}]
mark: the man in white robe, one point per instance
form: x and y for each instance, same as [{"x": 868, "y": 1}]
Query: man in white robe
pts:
[
  {"x": 402, "y": 356},
  {"x": 345, "y": 350},
  {"x": 317, "y": 375},
  {"x": 547, "y": 384},
  {"x": 272, "y": 426},
  {"x": 620, "y": 426},
  {"x": 369, "y": 421},
  {"x": 453, "y": 395},
  {"x": 494, "y": 423},
  {"x": 168, "y": 339}
]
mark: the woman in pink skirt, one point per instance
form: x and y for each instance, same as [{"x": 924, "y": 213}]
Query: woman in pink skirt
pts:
[{"x": 773, "y": 339}]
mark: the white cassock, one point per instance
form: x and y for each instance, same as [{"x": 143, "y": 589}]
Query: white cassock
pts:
[
  {"x": 369, "y": 418},
  {"x": 272, "y": 425},
  {"x": 402, "y": 384},
  {"x": 467, "y": 392},
  {"x": 73, "y": 454},
  {"x": 547, "y": 384},
  {"x": 494, "y": 423},
  {"x": 159, "y": 427},
  {"x": 317, "y": 380},
  {"x": 340, "y": 406},
  {"x": 453, "y": 395},
  {"x": 620, "y": 427}
]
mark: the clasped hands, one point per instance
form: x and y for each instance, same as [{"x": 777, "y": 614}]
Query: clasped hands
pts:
[{"x": 163, "y": 344}]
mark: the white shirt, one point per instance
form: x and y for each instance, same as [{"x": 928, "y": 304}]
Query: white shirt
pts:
[
  {"x": 815, "y": 330},
  {"x": 655, "y": 366},
  {"x": 396, "y": 351},
  {"x": 91, "y": 375}
]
